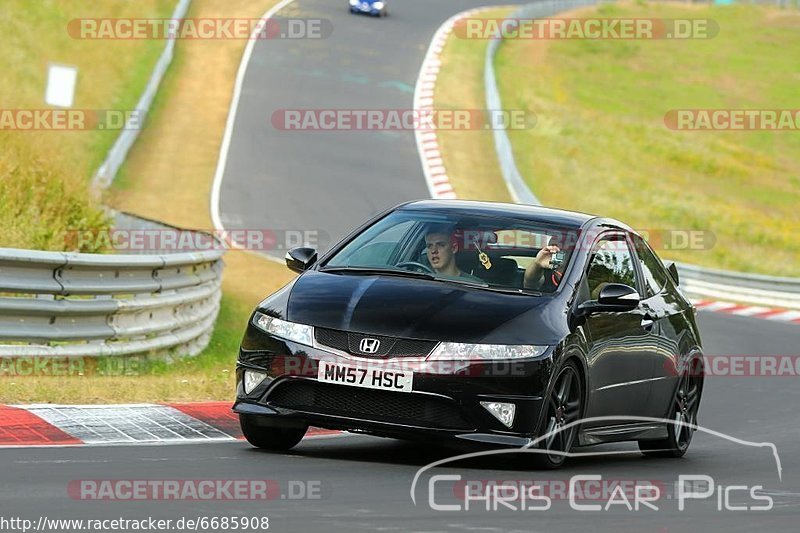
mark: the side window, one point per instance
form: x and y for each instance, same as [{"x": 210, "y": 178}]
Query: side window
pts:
[
  {"x": 376, "y": 246},
  {"x": 611, "y": 262},
  {"x": 653, "y": 271}
]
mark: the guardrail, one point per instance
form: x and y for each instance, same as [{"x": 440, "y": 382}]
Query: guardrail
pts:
[
  {"x": 696, "y": 282},
  {"x": 769, "y": 291},
  {"x": 119, "y": 150},
  {"x": 76, "y": 304}
]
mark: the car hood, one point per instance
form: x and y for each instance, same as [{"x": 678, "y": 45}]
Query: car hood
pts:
[{"x": 422, "y": 309}]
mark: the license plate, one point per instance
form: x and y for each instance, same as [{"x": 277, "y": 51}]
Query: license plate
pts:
[{"x": 371, "y": 378}]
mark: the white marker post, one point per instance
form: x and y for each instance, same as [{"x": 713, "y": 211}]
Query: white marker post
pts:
[{"x": 60, "y": 85}]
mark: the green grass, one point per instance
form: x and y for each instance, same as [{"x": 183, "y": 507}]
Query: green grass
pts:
[
  {"x": 601, "y": 106},
  {"x": 44, "y": 175},
  {"x": 41, "y": 203}
]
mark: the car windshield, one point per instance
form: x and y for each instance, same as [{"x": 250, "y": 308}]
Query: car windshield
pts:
[{"x": 483, "y": 251}]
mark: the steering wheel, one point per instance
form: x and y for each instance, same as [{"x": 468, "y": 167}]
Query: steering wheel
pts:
[{"x": 416, "y": 265}]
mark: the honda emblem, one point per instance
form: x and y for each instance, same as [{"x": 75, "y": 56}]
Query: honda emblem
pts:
[{"x": 369, "y": 345}]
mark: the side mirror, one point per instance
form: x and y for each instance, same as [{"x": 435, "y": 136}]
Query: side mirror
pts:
[
  {"x": 300, "y": 259},
  {"x": 613, "y": 298},
  {"x": 672, "y": 268},
  {"x": 619, "y": 295}
]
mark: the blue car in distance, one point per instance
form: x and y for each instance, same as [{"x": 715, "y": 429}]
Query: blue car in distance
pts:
[{"x": 376, "y": 8}]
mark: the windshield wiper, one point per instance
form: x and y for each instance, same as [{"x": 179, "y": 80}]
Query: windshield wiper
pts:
[
  {"x": 372, "y": 270},
  {"x": 509, "y": 290}
]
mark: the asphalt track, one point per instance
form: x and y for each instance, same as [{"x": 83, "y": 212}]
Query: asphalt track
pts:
[
  {"x": 365, "y": 482},
  {"x": 328, "y": 182},
  {"x": 333, "y": 181}
]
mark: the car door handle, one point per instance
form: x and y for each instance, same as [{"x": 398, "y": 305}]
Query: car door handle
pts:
[{"x": 647, "y": 322}]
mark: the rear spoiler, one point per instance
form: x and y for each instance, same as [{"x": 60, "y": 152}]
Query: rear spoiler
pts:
[{"x": 672, "y": 268}]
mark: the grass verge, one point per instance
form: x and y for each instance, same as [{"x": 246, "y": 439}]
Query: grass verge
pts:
[
  {"x": 168, "y": 177},
  {"x": 600, "y": 107},
  {"x": 43, "y": 174}
]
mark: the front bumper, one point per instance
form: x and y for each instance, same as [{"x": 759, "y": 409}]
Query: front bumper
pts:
[{"x": 445, "y": 402}]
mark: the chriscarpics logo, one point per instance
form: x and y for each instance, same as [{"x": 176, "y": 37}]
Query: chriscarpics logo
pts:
[{"x": 598, "y": 486}]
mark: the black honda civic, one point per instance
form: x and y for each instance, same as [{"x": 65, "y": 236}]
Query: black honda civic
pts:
[{"x": 500, "y": 324}]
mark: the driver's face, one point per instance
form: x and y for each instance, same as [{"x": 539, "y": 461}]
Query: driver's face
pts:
[{"x": 440, "y": 250}]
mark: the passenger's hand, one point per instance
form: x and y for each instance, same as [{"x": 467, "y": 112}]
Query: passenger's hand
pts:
[{"x": 545, "y": 254}]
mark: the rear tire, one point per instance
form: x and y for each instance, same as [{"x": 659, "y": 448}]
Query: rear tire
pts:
[
  {"x": 267, "y": 437},
  {"x": 682, "y": 416}
]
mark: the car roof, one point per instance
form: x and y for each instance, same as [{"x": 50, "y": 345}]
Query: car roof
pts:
[{"x": 529, "y": 213}]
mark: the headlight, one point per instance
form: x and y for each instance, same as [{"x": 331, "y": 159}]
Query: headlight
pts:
[
  {"x": 378, "y": 5},
  {"x": 354, "y": 2},
  {"x": 450, "y": 351},
  {"x": 286, "y": 330}
]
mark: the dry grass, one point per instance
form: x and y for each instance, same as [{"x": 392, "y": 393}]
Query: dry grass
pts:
[
  {"x": 100, "y": 390},
  {"x": 169, "y": 172}
]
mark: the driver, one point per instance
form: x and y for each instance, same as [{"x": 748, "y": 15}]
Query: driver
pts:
[{"x": 441, "y": 246}]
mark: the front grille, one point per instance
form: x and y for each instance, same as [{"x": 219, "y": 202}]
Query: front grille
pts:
[
  {"x": 332, "y": 338},
  {"x": 349, "y": 342},
  {"x": 381, "y": 406}
]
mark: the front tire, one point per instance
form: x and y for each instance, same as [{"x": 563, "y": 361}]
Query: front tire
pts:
[
  {"x": 682, "y": 416},
  {"x": 267, "y": 437},
  {"x": 564, "y": 407}
]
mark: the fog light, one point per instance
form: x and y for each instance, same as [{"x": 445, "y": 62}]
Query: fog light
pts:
[
  {"x": 252, "y": 379},
  {"x": 504, "y": 412}
]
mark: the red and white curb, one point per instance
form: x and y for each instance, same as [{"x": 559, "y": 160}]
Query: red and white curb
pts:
[
  {"x": 752, "y": 311},
  {"x": 427, "y": 143},
  {"x": 70, "y": 425}
]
